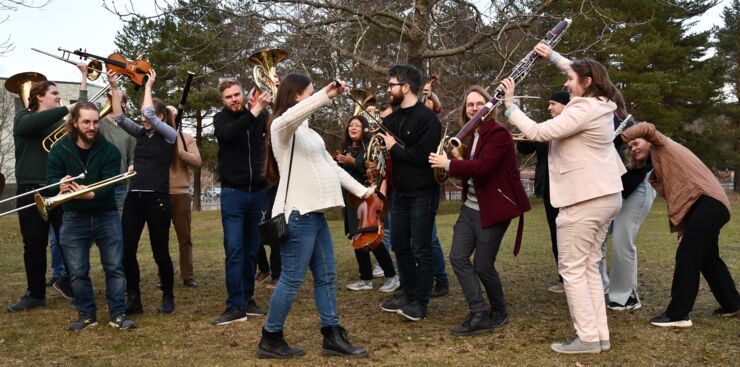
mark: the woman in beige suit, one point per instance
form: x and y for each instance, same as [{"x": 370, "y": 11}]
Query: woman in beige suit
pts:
[{"x": 585, "y": 184}]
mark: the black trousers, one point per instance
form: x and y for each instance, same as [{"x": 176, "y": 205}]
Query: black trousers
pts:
[
  {"x": 154, "y": 210},
  {"x": 273, "y": 266},
  {"x": 384, "y": 260},
  {"x": 468, "y": 237},
  {"x": 698, "y": 252},
  {"x": 35, "y": 233},
  {"x": 552, "y": 214}
]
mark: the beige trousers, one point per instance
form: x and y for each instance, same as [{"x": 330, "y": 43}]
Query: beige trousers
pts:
[{"x": 582, "y": 228}]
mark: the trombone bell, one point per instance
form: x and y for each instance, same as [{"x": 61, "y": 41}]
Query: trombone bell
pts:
[{"x": 21, "y": 83}]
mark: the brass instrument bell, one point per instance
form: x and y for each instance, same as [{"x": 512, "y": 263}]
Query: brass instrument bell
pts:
[
  {"x": 265, "y": 67},
  {"x": 364, "y": 97},
  {"x": 21, "y": 83}
]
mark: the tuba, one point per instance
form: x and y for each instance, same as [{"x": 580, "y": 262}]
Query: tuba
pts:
[
  {"x": 265, "y": 67},
  {"x": 21, "y": 83},
  {"x": 364, "y": 97},
  {"x": 521, "y": 70}
]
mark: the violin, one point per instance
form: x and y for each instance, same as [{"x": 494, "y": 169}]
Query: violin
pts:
[
  {"x": 136, "y": 70},
  {"x": 370, "y": 229}
]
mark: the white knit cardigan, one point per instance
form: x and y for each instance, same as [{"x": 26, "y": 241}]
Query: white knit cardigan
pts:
[{"x": 316, "y": 180}]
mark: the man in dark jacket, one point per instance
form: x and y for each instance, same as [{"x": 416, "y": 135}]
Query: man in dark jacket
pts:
[
  {"x": 90, "y": 217},
  {"x": 240, "y": 131},
  {"x": 416, "y": 197},
  {"x": 541, "y": 176}
]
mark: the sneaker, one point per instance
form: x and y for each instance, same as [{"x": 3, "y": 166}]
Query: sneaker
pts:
[
  {"x": 272, "y": 283},
  {"x": 398, "y": 301},
  {"x": 189, "y": 283},
  {"x": 557, "y": 288},
  {"x": 84, "y": 322},
  {"x": 251, "y": 308},
  {"x": 63, "y": 286},
  {"x": 441, "y": 289},
  {"x": 391, "y": 284},
  {"x": 262, "y": 277},
  {"x": 664, "y": 321},
  {"x": 632, "y": 304},
  {"x": 413, "y": 311},
  {"x": 26, "y": 303},
  {"x": 724, "y": 313},
  {"x": 378, "y": 272},
  {"x": 605, "y": 345},
  {"x": 361, "y": 285},
  {"x": 51, "y": 282},
  {"x": 576, "y": 346},
  {"x": 122, "y": 322},
  {"x": 229, "y": 316}
]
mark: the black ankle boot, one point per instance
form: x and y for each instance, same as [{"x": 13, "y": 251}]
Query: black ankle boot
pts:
[
  {"x": 336, "y": 343},
  {"x": 273, "y": 345},
  {"x": 168, "y": 302},
  {"x": 476, "y": 323},
  {"x": 133, "y": 303}
]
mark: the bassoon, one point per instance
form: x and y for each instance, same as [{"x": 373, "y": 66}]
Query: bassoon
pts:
[{"x": 520, "y": 71}]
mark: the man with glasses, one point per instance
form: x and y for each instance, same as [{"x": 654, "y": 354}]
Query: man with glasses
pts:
[{"x": 414, "y": 203}]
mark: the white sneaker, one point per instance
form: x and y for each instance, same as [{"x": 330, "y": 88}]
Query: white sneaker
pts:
[
  {"x": 361, "y": 285},
  {"x": 378, "y": 272},
  {"x": 391, "y": 284}
]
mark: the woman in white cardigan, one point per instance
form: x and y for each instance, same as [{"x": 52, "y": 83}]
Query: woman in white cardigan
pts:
[
  {"x": 585, "y": 184},
  {"x": 314, "y": 185}
]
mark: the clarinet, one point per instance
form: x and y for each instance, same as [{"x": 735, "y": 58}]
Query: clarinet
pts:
[
  {"x": 520, "y": 71},
  {"x": 181, "y": 107},
  {"x": 629, "y": 120}
]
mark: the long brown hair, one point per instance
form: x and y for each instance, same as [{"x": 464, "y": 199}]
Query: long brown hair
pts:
[
  {"x": 601, "y": 85},
  {"x": 37, "y": 90},
  {"x": 364, "y": 138},
  {"x": 292, "y": 85},
  {"x": 161, "y": 109},
  {"x": 74, "y": 116},
  {"x": 463, "y": 118}
]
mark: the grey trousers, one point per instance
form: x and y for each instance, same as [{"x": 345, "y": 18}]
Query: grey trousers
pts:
[{"x": 469, "y": 237}]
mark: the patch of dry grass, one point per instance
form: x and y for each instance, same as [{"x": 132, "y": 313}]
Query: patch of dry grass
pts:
[{"x": 538, "y": 317}]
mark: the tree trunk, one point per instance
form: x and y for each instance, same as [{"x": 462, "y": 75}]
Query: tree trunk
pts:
[{"x": 196, "y": 171}]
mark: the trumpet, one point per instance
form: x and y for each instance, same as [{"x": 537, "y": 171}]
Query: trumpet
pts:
[
  {"x": 21, "y": 83},
  {"x": 94, "y": 67},
  {"x": 265, "y": 67}
]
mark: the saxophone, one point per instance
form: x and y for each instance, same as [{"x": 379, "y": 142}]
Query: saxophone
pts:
[{"x": 520, "y": 71}]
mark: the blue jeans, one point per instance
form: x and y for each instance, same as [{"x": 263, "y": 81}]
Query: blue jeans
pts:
[
  {"x": 79, "y": 230},
  {"x": 413, "y": 221},
  {"x": 440, "y": 275},
  {"x": 57, "y": 264},
  {"x": 308, "y": 245},
  {"x": 120, "y": 192},
  {"x": 241, "y": 214}
]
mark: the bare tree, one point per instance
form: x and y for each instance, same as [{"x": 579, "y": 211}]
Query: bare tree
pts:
[
  {"x": 7, "y": 6},
  {"x": 7, "y": 113}
]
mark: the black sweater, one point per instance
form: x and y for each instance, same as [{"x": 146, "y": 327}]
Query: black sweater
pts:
[
  {"x": 241, "y": 149},
  {"x": 419, "y": 130}
]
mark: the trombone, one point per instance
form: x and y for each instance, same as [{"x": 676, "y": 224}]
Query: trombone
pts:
[
  {"x": 94, "y": 67},
  {"x": 78, "y": 177},
  {"x": 45, "y": 205}
]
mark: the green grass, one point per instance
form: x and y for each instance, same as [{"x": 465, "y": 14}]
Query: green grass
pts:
[{"x": 538, "y": 317}]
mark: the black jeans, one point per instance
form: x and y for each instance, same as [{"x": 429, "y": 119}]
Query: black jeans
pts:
[
  {"x": 384, "y": 260},
  {"x": 469, "y": 237},
  {"x": 154, "y": 210},
  {"x": 273, "y": 266},
  {"x": 552, "y": 214},
  {"x": 35, "y": 232},
  {"x": 698, "y": 252},
  {"x": 412, "y": 220}
]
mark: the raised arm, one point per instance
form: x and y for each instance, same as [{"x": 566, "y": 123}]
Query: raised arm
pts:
[
  {"x": 286, "y": 124},
  {"x": 573, "y": 120},
  {"x": 646, "y": 131},
  {"x": 169, "y": 132}
]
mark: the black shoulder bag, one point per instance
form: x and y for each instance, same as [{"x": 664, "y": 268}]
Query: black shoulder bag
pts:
[{"x": 275, "y": 230}]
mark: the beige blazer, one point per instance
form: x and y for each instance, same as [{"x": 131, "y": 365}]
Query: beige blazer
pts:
[{"x": 582, "y": 161}]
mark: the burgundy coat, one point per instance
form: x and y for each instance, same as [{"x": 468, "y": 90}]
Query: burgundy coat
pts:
[{"x": 496, "y": 179}]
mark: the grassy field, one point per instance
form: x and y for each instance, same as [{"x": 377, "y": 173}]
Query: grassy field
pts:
[{"x": 538, "y": 317}]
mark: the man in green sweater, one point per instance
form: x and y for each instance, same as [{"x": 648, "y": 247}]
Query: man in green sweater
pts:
[
  {"x": 30, "y": 127},
  {"x": 90, "y": 217}
]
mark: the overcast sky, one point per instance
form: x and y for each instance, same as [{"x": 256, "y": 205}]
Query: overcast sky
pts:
[{"x": 73, "y": 24}]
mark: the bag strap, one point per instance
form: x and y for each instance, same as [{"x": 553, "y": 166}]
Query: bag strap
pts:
[{"x": 290, "y": 168}]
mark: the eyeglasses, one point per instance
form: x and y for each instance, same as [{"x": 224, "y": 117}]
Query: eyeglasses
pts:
[{"x": 391, "y": 84}]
